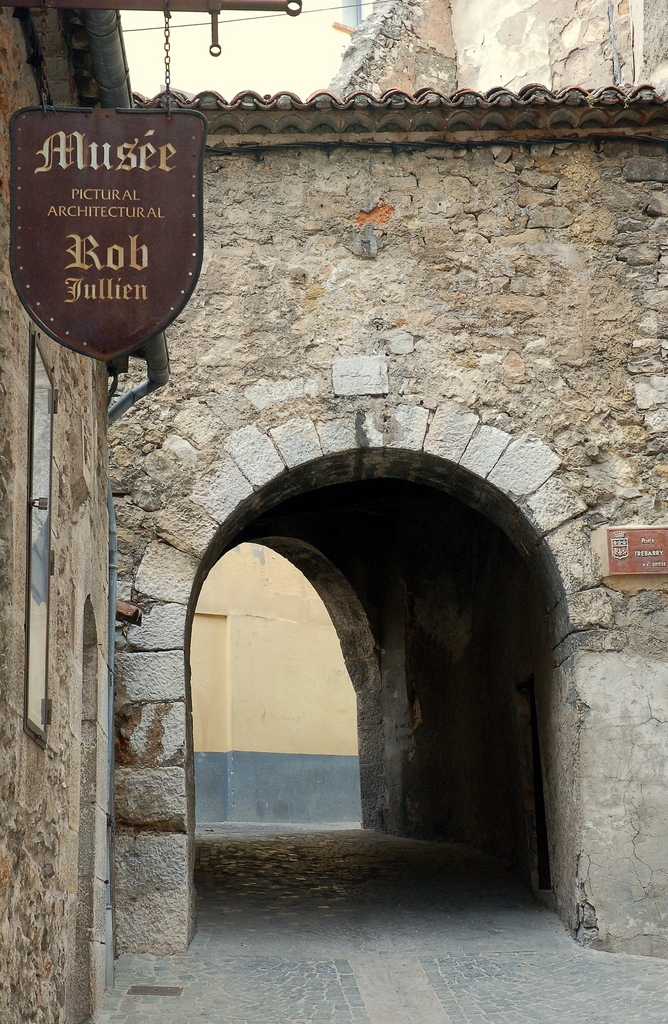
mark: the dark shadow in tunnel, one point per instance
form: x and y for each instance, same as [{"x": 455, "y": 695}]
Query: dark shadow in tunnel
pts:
[{"x": 441, "y": 623}]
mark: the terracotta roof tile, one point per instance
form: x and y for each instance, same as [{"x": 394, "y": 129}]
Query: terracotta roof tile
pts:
[{"x": 535, "y": 109}]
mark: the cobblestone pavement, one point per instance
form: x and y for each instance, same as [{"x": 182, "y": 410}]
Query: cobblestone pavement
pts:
[{"x": 346, "y": 927}]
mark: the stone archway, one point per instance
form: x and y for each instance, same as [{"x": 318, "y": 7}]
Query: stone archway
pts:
[{"x": 510, "y": 480}]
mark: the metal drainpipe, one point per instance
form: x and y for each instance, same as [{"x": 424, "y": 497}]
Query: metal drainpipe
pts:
[{"x": 110, "y": 68}]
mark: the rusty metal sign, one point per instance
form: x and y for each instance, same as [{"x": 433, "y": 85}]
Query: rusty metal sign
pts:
[
  {"x": 639, "y": 550},
  {"x": 106, "y": 222}
]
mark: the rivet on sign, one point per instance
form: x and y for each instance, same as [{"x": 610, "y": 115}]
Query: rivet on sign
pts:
[
  {"x": 172, "y": 308},
  {"x": 39, "y": 303},
  {"x": 67, "y": 332},
  {"x": 182, "y": 292},
  {"x": 51, "y": 319},
  {"x": 190, "y": 273},
  {"x": 194, "y": 254},
  {"x": 194, "y": 235},
  {"x": 27, "y": 286},
  {"x": 194, "y": 214}
]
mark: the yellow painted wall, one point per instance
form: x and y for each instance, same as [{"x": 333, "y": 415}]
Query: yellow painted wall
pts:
[{"x": 267, "y": 669}]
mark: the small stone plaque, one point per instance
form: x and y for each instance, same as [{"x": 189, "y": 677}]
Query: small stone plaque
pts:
[
  {"x": 637, "y": 550},
  {"x": 154, "y": 990}
]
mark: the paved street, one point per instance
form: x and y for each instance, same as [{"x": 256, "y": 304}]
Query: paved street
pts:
[{"x": 346, "y": 927}]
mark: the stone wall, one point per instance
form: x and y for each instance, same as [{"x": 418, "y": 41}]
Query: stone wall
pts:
[
  {"x": 52, "y": 866},
  {"x": 501, "y": 310},
  {"x": 401, "y": 45},
  {"x": 476, "y": 44}
]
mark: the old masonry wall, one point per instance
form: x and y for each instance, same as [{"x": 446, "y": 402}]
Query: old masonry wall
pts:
[
  {"x": 503, "y": 311},
  {"x": 53, "y": 798}
]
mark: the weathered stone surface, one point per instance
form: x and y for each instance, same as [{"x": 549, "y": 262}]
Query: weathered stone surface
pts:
[
  {"x": 525, "y": 465},
  {"x": 152, "y": 735},
  {"x": 450, "y": 431},
  {"x": 254, "y": 454},
  {"x": 151, "y": 675},
  {"x": 406, "y": 427},
  {"x": 652, "y": 392},
  {"x": 337, "y": 435},
  {"x": 185, "y": 526},
  {"x": 550, "y": 217},
  {"x": 360, "y": 375},
  {"x": 297, "y": 441},
  {"x": 656, "y": 422},
  {"x": 622, "y": 747},
  {"x": 197, "y": 424},
  {"x": 153, "y": 902},
  {"x": 162, "y": 629},
  {"x": 553, "y": 504},
  {"x": 646, "y": 168},
  {"x": 397, "y": 342},
  {"x": 484, "y": 450},
  {"x": 578, "y": 566},
  {"x": 273, "y": 392},
  {"x": 591, "y": 608},
  {"x": 166, "y": 574},
  {"x": 151, "y": 797},
  {"x": 221, "y": 491}
]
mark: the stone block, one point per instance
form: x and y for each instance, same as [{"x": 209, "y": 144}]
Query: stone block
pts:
[
  {"x": 406, "y": 427},
  {"x": 553, "y": 504},
  {"x": 264, "y": 393},
  {"x": 652, "y": 392},
  {"x": 151, "y": 675},
  {"x": 450, "y": 431},
  {"x": 154, "y": 898},
  {"x": 337, "y": 435},
  {"x": 151, "y": 797},
  {"x": 578, "y": 566},
  {"x": 590, "y": 608},
  {"x": 484, "y": 450},
  {"x": 656, "y": 422},
  {"x": 656, "y": 299},
  {"x": 255, "y": 455},
  {"x": 646, "y": 168},
  {"x": 166, "y": 574},
  {"x": 298, "y": 441},
  {"x": 550, "y": 217},
  {"x": 397, "y": 341},
  {"x": 153, "y": 736},
  {"x": 221, "y": 492},
  {"x": 162, "y": 629},
  {"x": 360, "y": 375},
  {"x": 198, "y": 424},
  {"x": 524, "y": 466},
  {"x": 183, "y": 525}
]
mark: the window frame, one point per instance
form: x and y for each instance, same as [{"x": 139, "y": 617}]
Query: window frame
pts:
[{"x": 37, "y": 730}]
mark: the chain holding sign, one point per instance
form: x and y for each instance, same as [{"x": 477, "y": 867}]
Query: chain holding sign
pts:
[{"x": 106, "y": 222}]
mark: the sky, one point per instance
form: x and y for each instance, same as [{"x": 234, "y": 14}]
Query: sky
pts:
[{"x": 267, "y": 54}]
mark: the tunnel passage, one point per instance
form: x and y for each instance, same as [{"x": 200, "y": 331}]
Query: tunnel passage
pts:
[{"x": 458, "y": 640}]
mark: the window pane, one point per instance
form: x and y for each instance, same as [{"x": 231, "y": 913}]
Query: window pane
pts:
[
  {"x": 351, "y": 13},
  {"x": 39, "y": 551}
]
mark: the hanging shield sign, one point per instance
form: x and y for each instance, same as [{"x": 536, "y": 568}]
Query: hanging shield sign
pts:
[{"x": 106, "y": 222}]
